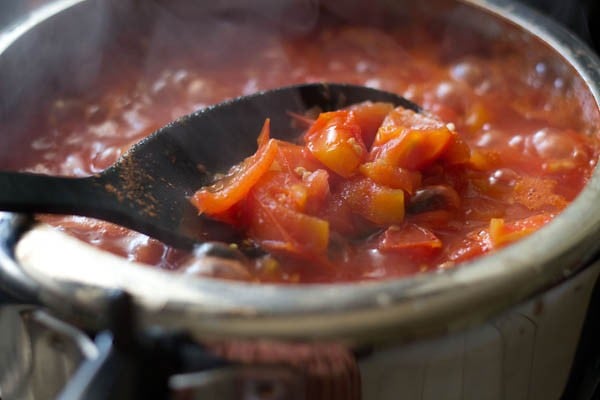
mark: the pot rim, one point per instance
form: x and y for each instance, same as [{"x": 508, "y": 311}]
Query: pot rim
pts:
[{"x": 403, "y": 309}]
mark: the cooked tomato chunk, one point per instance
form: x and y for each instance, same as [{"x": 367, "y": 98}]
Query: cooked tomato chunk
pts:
[
  {"x": 239, "y": 180},
  {"x": 410, "y": 239},
  {"x": 379, "y": 204},
  {"x": 276, "y": 219},
  {"x": 503, "y": 232},
  {"x": 369, "y": 116},
  {"x": 410, "y": 140},
  {"x": 335, "y": 139}
]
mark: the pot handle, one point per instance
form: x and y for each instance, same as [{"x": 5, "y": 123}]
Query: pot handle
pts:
[{"x": 160, "y": 365}]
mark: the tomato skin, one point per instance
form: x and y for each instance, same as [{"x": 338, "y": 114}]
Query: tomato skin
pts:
[
  {"x": 318, "y": 190},
  {"x": 391, "y": 176},
  {"x": 457, "y": 152},
  {"x": 378, "y": 204},
  {"x": 294, "y": 158},
  {"x": 410, "y": 140},
  {"x": 335, "y": 139},
  {"x": 503, "y": 232},
  {"x": 277, "y": 228},
  {"x": 231, "y": 189},
  {"x": 499, "y": 233},
  {"x": 369, "y": 116},
  {"x": 475, "y": 244},
  {"x": 276, "y": 219},
  {"x": 233, "y": 216},
  {"x": 410, "y": 239}
]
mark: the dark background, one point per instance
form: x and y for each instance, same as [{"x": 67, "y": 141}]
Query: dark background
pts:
[{"x": 582, "y": 17}]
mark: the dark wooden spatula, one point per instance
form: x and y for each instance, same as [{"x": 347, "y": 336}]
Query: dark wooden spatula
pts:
[{"x": 147, "y": 189}]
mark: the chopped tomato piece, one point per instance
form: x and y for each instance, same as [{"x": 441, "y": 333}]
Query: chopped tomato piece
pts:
[
  {"x": 295, "y": 158},
  {"x": 410, "y": 140},
  {"x": 317, "y": 185},
  {"x": 276, "y": 220},
  {"x": 458, "y": 152},
  {"x": 232, "y": 188},
  {"x": 502, "y": 232},
  {"x": 376, "y": 203},
  {"x": 340, "y": 216},
  {"x": 474, "y": 244},
  {"x": 265, "y": 133},
  {"x": 277, "y": 228},
  {"x": 369, "y": 117},
  {"x": 410, "y": 238},
  {"x": 283, "y": 188},
  {"x": 234, "y": 216},
  {"x": 392, "y": 176},
  {"x": 335, "y": 140}
]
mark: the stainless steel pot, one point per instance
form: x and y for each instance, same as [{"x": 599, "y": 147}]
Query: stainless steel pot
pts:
[
  {"x": 76, "y": 288},
  {"x": 488, "y": 329}
]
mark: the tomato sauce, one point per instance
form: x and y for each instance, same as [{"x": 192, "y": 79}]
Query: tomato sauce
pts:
[{"x": 533, "y": 140}]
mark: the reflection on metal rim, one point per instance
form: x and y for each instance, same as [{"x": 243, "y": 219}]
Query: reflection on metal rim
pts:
[{"x": 39, "y": 15}]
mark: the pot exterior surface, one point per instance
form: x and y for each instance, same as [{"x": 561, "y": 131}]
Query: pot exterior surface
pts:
[{"x": 525, "y": 353}]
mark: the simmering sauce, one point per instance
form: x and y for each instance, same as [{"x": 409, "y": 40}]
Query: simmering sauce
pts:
[{"x": 522, "y": 114}]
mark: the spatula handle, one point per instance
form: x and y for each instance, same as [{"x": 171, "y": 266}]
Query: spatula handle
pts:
[
  {"x": 99, "y": 197},
  {"x": 28, "y": 192}
]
